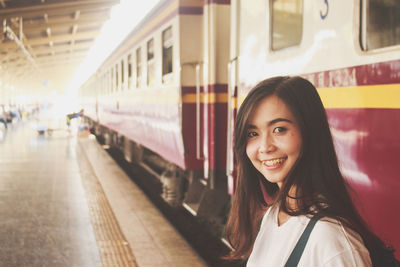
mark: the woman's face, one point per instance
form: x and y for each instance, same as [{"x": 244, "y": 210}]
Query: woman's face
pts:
[{"x": 273, "y": 139}]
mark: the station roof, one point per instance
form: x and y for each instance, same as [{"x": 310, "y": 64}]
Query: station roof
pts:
[{"x": 44, "y": 41}]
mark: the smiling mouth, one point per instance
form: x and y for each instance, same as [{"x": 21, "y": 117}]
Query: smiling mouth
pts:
[{"x": 273, "y": 162}]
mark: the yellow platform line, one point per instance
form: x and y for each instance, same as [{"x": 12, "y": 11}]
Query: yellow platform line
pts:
[{"x": 113, "y": 247}]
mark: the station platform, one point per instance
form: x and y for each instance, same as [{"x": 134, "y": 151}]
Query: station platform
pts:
[{"x": 65, "y": 202}]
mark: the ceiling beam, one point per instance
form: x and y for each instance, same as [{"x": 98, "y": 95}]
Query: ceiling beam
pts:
[
  {"x": 12, "y": 70},
  {"x": 21, "y": 45},
  {"x": 57, "y": 8},
  {"x": 48, "y": 66},
  {"x": 24, "y": 70},
  {"x": 73, "y": 62},
  {"x": 59, "y": 3},
  {"x": 54, "y": 38},
  {"x": 58, "y": 48},
  {"x": 61, "y": 56},
  {"x": 51, "y": 58},
  {"x": 17, "y": 56},
  {"x": 60, "y": 23},
  {"x": 70, "y": 25}
]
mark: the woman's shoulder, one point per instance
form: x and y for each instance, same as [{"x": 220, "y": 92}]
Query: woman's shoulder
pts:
[
  {"x": 335, "y": 243},
  {"x": 334, "y": 230}
]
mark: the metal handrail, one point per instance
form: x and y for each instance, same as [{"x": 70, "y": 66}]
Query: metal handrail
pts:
[
  {"x": 196, "y": 65},
  {"x": 231, "y": 89},
  {"x": 198, "y": 154}
]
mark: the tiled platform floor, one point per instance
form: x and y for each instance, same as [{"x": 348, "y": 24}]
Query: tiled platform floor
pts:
[{"x": 45, "y": 217}]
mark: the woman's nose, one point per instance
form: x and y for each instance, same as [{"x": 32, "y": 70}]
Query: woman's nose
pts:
[{"x": 266, "y": 145}]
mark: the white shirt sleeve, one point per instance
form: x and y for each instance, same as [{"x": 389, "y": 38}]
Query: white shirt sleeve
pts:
[
  {"x": 350, "y": 258},
  {"x": 333, "y": 245}
]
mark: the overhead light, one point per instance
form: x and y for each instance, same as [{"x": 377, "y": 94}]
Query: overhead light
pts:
[
  {"x": 76, "y": 14},
  {"x": 74, "y": 28}
]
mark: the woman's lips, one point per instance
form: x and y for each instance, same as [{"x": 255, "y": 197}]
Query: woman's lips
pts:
[{"x": 274, "y": 163}]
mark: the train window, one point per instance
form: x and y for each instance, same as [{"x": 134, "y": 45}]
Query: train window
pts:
[
  {"x": 105, "y": 81},
  {"x": 112, "y": 80},
  {"x": 129, "y": 70},
  {"x": 138, "y": 67},
  {"x": 103, "y": 84},
  {"x": 109, "y": 83},
  {"x": 150, "y": 49},
  {"x": 116, "y": 77},
  {"x": 150, "y": 63},
  {"x": 286, "y": 23},
  {"x": 122, "y": 74},
  {"x": 167, "y": 51},
  {"x": 380, "y": 24}
]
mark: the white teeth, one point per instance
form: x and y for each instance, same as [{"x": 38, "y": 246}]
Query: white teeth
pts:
[{"x": 273, "y": 162}]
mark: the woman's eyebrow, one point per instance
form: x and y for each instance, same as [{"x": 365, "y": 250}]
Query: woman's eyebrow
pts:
[
  {"x": 251, "y": 126},
  {"x": 279, "y": 120}
]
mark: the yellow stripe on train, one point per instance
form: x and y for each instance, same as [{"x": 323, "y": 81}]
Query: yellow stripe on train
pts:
[
  {"x": 209, "y": 98},
  {"x": 369, "y": 96}
]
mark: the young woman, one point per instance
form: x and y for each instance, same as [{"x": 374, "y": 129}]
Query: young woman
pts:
[{"x": 286, "y": 157}]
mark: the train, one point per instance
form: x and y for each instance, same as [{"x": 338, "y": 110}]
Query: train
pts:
[{"x": 168, "y": 95}]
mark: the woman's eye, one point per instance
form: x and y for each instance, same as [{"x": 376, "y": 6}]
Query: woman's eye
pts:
[
  {"x": 251, "y": 134},
  {"x": 279, "y": 130}
]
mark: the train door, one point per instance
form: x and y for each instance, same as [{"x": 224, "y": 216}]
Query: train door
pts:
[
  {"x": 208, "y": 194},
  {"x": 216, "y": 38},
  {"x": 211, "y": 98},
  {"x": 216, "y": 25}
]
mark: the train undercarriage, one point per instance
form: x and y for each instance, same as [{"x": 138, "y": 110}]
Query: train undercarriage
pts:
[{"x": 209, "y": 203}]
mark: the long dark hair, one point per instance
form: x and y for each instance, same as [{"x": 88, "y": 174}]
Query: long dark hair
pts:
[{"x": 320, "y": 186}]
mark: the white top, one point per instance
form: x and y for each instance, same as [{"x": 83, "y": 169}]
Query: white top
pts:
[{"x": 330, "y": 243}]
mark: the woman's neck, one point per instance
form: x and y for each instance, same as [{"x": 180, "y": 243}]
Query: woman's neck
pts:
[
  {"x": 282, "y": 217},
  {"x": 291, "y": 204}
]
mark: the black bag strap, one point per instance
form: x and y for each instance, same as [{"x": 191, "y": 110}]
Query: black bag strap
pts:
[{"x": 294, "y": 258}]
